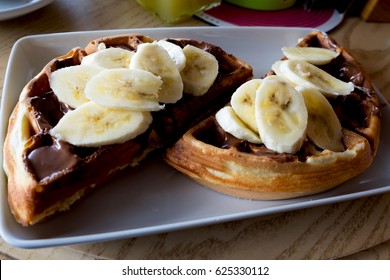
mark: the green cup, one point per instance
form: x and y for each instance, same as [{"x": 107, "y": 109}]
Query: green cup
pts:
[{"x": 176, "y": 10}]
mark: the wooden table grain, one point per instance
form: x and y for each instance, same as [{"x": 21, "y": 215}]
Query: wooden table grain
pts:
[{"x": 355, "y": 229}]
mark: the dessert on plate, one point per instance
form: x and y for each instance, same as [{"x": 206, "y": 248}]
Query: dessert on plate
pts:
[
  {"x": 310, "y": 124},
  {"x": 96, "y": 110}
]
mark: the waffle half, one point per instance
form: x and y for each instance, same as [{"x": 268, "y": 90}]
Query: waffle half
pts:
[
  {"x": 47, "y": 175},
  {"x": 218, "y": 160}
]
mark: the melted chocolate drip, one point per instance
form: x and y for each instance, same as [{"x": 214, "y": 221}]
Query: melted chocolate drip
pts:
[{"x": 49, "y": 156}]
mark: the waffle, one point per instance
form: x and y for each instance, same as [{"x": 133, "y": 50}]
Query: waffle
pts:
[
  {"x": 221, "y": 162},
  {"x": 47, "y": 175}
]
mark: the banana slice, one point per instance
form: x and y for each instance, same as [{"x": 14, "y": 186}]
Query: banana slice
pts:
[
  {"x": 93, "y": 125},
  {"x": 281, "y": 115},
  {"x": 243, "y": 103},
  {"x": 101, "y": 46},
  {"x": 155, "y": 59},
  {"x": 109, "y": 58},
  {"x": 306, "y": 74},
  {"x": 323, "y": 125},
  {"x": 175, "y": 52},
  {"x": 276, "y": 68},
  {"x": 69, "y": 83},
  {"x": 200, "y": 72},
  {"x": 313, "y": 55},
  {"x": 231, "y": 123},
  {"x": 132, "y": 89}
]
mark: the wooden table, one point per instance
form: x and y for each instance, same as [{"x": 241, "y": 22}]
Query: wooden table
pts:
[{"x": 357, "y": 229}]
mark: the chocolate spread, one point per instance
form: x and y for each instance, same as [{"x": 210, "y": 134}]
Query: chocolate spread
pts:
[
  {"x": 46, "y": 156},
  {"x": 47, "y": 110},
  {"x": 50, "y": 159},
  {"x": 353, "y": 110},
  {"x": 213, "y": 134}
]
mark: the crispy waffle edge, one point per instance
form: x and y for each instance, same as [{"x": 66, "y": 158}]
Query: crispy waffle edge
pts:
[
  {"x": 26, "y": 193},
  {"x": 269, "y": 177}
]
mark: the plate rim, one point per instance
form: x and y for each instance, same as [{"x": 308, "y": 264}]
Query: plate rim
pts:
[{"x": 131, "y": 233}]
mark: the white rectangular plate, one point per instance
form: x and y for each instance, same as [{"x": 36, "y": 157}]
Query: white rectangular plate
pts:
[{"x": 153, "y": 197}]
